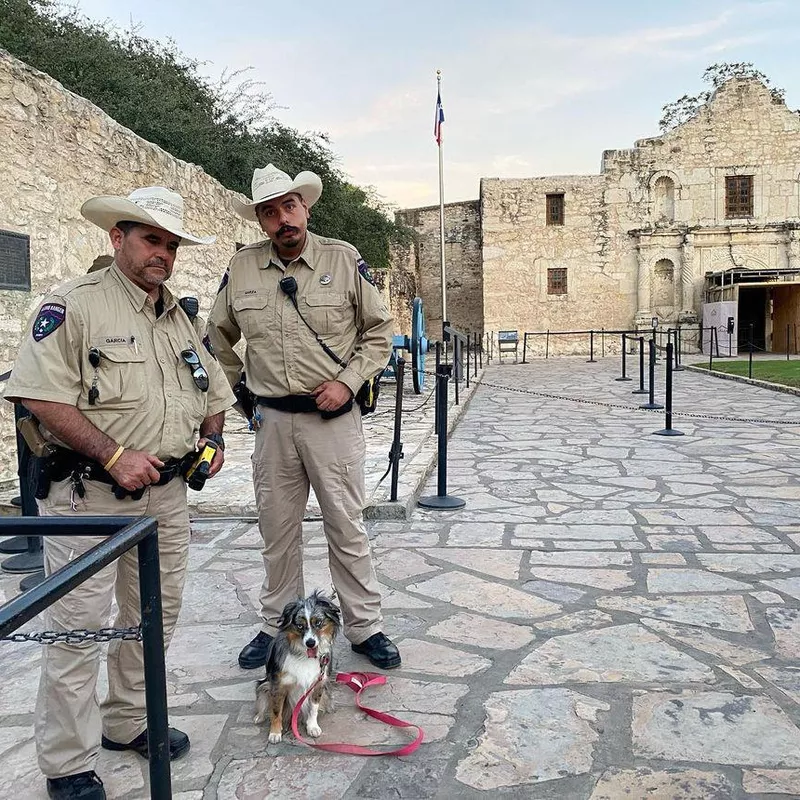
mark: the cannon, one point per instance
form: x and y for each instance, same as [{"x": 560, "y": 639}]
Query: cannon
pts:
[{"x": 416, "y": 344}]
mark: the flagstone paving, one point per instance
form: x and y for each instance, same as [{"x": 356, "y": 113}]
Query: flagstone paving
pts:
[{"x": 612, "y": 615}]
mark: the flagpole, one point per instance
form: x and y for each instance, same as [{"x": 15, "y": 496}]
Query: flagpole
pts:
[{"x": 441, "y": 220}]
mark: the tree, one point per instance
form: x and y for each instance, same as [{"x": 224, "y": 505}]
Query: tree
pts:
[
  {"x": 229, "y": 128},
  {"x": 677, "y": 112}
]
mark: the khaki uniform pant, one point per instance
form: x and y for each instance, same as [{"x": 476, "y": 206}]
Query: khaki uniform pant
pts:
[
  {"x": 68, "y": 715},
  {"x": 293, "y": 451}
]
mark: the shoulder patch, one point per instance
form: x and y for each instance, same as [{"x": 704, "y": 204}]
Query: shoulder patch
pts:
[
  {"x": 49, "y": 318},
  {"x": 363, "y": 271},
  {"x": 210, "y": 347},
  {"x": 224, "y": 282}
]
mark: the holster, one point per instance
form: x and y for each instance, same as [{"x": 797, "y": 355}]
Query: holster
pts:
[
  {"x": 245, "y": 398},
  {"x": 42, "y": 472},
  {"x": 367, "y": 396}
]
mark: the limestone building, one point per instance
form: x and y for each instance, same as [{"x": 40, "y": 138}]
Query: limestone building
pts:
[{"x": 709, "y": 211}]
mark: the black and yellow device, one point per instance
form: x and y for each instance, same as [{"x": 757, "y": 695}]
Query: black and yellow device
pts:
[{"x": 197, "y": 474}]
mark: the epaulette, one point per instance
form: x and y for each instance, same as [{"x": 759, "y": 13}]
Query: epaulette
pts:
[
  {"x": 92, "y": 279},
  {"x": 336, "y": 244},
  {"x": 253, "y": 246}
]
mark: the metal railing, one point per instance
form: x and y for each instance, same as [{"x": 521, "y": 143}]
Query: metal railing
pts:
[{"x": 123, "y": 533}]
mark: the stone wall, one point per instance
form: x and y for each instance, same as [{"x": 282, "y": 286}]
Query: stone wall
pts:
[
  {"x": 637, "y": 239},
  {"x": 58, "y": 150},
  {"x": 464, "y": 275}
]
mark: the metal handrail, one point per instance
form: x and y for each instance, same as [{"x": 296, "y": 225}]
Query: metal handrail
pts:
[{"x": 123, "y": 533}]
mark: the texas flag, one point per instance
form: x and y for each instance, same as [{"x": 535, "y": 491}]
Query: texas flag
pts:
[{"x": 437, "y": 125}]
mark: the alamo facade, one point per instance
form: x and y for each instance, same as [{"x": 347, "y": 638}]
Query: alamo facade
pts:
[{"x": 708, "y": 212}]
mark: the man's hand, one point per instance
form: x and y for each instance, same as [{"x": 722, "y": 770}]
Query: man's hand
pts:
[
  {"x": 331, "y": 395},
  {"x": 217, "y": 461},
  {"x": 135, "y": 469}
]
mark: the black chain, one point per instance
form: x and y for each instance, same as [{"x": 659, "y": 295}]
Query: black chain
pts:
[
  {"x": 620, "y": 406},
  {"x": 133, "y": 634}
]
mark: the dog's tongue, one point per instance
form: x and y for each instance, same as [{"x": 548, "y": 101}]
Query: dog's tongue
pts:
[{"x": 311, "y": 652}]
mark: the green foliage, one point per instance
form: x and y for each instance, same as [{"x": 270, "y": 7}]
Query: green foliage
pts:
[
  {"x": 229, "y": 128},
  {"x": 676, "y": 113}
]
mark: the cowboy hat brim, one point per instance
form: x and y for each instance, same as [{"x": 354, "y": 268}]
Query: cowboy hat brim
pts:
[
  {"x": 307, "y": 184},
  {"x": 107, "y": 210}
]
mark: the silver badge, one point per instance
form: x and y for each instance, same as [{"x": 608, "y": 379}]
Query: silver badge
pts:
[{"x": 325, "y": 279}]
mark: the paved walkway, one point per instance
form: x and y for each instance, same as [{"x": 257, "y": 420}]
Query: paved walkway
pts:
[{"x": 612, "y": 615}]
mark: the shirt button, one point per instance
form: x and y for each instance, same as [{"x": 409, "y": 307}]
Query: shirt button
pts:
[{"x": 161, "y": 360}]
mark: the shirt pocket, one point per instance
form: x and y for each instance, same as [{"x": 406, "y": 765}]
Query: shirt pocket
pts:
[
  {"x": 254, "y": 313},
  {"x": 328, "y": 312},
  {"x": 191, "y": 397},
  {"x": 121, "y": 378}
]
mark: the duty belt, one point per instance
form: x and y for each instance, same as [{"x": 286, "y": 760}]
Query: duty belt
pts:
[
  {"x": 66, "y": 463},
  {"x": 302, "y": 404},
  {"x": 293, "y": 403}
]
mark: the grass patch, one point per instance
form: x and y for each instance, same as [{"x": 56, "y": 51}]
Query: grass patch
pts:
[{"x": 786, "y": 373}]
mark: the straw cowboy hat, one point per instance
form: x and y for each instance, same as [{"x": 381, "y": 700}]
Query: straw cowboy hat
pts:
[
  {"x": 152, "y": 205},
  {"x": 271, "y": 182}
]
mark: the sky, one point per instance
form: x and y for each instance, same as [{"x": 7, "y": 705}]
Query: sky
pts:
[{"x": 529, "y": 88}]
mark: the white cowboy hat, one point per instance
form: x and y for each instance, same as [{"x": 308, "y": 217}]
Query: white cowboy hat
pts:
[
  {"x": 271, "y": 182},
  {"x": 151, "y": 205}
]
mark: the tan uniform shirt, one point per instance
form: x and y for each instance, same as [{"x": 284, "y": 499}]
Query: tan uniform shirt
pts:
[
  {"x": 147, "y": 399},
  {"x": 282, "y": 355}
]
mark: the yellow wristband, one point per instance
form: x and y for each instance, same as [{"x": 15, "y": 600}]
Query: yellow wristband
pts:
[{"x": 113, "y": 460}]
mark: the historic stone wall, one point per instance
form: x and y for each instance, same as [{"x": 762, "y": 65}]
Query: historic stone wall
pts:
[
  {"x": 464, "y": 275},
  {"x": 58, "y": 150},
  {"x": 637, "y": 239},
  {"x": 669, "y": 191}
]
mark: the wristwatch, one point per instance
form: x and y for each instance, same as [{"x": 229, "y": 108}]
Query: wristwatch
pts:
[{"x": 217, "y": 439}]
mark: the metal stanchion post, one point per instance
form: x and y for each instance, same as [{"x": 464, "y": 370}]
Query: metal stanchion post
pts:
[
  {"x": 750, "y": 354},
  {"x": 641, "y": 389},
  {"x": 591, "y": 348},
  {"x": 624, "y": 359},
  {"x": 438, "y": 366},
  {"x": 155, "y": 676},
  {"x": 602, "y": 342},
  {"x": 441, "y": 500},
  {"x": 396, "y": 451},
  {"x": 677, "y": 351},
  {"x": 524, "y": 347},
  {"x": 787, "y": 341},
  {"x": 475, "y": 354},
  {"x": 668, "y": 430},
  {"x": 456, "y": 367},
  {"x": 547, "y": 344},
  {"x": 711, "y": 332},
  {"x": 479, "y": 339},
  {"x": 651, "y": 404}
]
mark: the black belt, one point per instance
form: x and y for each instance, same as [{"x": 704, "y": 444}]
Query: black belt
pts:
[
  {"x": 67, "y": 462},
  {"x": 293, "y": 403},
  {"x": 302, "y": 404}
]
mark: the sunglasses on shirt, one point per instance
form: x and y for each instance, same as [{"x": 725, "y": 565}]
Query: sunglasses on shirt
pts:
[{"x": 199, "y": 374}]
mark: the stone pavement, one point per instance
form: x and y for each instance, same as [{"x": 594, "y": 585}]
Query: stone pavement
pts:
[{"x": 612, "y": 615}]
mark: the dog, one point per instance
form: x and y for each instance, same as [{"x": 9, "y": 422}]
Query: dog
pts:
[{"x": 301, "y": 652}]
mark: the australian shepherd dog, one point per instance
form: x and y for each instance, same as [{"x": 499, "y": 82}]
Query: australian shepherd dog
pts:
[{"x": 301, "y": 653}]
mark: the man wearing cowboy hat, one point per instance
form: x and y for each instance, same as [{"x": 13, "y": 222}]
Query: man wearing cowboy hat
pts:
[
  {"x": 119, "y": 380},
  {"x": 316, "y": 330}
]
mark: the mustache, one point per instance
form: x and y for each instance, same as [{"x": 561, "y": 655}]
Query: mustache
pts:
[
  {"x": 286, "y": 229},
  {"x": 157, "y": 262}
]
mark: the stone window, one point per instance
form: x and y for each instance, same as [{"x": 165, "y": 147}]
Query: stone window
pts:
[
  {"x": 15, "y": 261},
  {"x": 738, "y": 196},
  {"x": 664, "y": 190},
  {"x": 557, "y": 279},
  {"x": 555, "y": 211}
]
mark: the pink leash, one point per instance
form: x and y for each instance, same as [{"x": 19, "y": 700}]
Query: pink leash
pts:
[{"x": 358, "y": 681}]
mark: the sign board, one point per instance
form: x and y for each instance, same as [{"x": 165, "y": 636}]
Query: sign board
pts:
[
  {"x": 15, "y": 261},
  {"x": 716, "y": 315}
]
